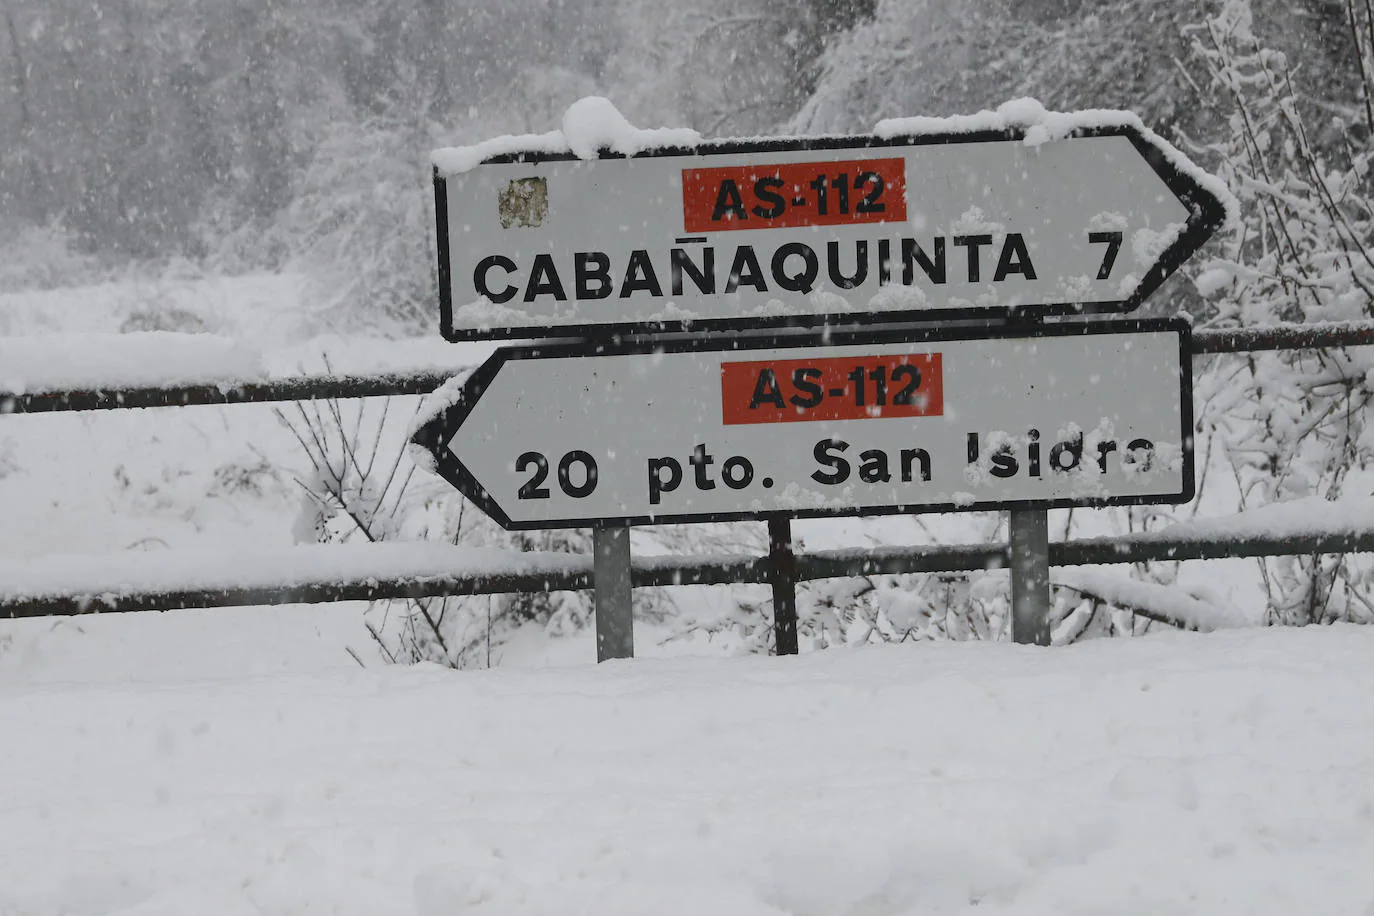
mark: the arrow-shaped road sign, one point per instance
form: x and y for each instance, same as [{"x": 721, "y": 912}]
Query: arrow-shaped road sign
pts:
[
  {"x": 815, "y": 232},
  {"x": 840, "y": 423}
]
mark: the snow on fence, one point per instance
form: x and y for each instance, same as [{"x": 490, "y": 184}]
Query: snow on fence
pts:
[
  {"x": 125, "y": 383},
  {"x": 69, "y": 585},
  {"x": 318, "y": 573}
]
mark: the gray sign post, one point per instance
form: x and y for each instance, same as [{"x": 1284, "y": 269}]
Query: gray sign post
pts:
[
  {"x": 1029, "y": 540},
  {"x": 782, "y": 573},
  {"x": 615, "y": 634}
]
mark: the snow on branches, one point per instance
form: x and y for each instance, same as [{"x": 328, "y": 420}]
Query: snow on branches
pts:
[{"x": 1291, "y": 424}]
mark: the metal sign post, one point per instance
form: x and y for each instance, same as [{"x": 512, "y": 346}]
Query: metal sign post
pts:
[
  {"x": 782, "y": 577},
  {"x": 1028, "y": 534},
  {"x": 615, "y": 635}
]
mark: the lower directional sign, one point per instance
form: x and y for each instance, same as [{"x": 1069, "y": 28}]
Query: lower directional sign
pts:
[{"x": 846, "y": 423}]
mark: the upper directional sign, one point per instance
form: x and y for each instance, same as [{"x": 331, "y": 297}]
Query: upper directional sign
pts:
[
  {"x": 827, "y": 423},
  {"x": 812, "y": 232}
]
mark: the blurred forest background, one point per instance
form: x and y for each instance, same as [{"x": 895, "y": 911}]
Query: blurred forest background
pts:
[{"x": 248, "y": 135}]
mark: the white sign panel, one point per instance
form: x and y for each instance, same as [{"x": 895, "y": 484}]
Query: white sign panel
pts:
[
  {"x": 849, "y": 423},
  {"x": 825, "y": 231}
]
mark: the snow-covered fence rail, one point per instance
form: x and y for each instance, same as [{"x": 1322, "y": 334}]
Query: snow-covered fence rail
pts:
[
  {"x": 298, "y": 388},
  {"x": 1284, "y": 337},
  {"x": 60, "y": 585},
  {"x": 48, "y": 395},
  {"x": 67, "y": 585}
]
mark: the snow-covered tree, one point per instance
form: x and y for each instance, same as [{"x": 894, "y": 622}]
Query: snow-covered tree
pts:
[{"x": 1292, "y": 423}]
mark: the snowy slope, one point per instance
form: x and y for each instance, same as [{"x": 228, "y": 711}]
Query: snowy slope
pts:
[{"x": 1182, "y": 774}]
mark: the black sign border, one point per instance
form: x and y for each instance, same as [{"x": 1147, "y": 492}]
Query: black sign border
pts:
[
  {"x": 1206, "y": 215},
  {"x": 435, "y": 435}
]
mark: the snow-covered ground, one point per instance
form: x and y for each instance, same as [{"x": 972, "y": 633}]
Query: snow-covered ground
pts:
[{"x": 1180, "y": 774}]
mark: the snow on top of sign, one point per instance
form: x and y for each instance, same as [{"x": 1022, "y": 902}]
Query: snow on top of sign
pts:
[
  {"x": 58, "y": 362},
  {"x": 593, "y": 123},
  {"x": 1044, "y": 126},
  {"x": 590, "y": 125},
  {"x": 458, "y": 159},
  {"x": 440, "y": 399},
  {"x": 1040, "y": 124},
  {"x": 432, "y": 408}
]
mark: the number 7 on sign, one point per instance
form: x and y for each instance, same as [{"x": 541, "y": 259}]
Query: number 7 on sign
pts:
[{"x": 1113, "y": 242}]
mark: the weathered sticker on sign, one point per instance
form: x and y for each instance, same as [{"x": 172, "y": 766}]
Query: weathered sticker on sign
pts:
[{"x": 524, "y": 203}]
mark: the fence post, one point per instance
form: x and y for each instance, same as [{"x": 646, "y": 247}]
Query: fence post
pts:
[
  {"x": 782, "y": 576},
  {"x": 615, "y": 628},
  {"x": 1029, "y": 537}
]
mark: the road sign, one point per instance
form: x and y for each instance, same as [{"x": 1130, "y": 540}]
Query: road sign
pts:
[
  {"x": 858, "y": 422},
  {"x": 812, "y": 232}
]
